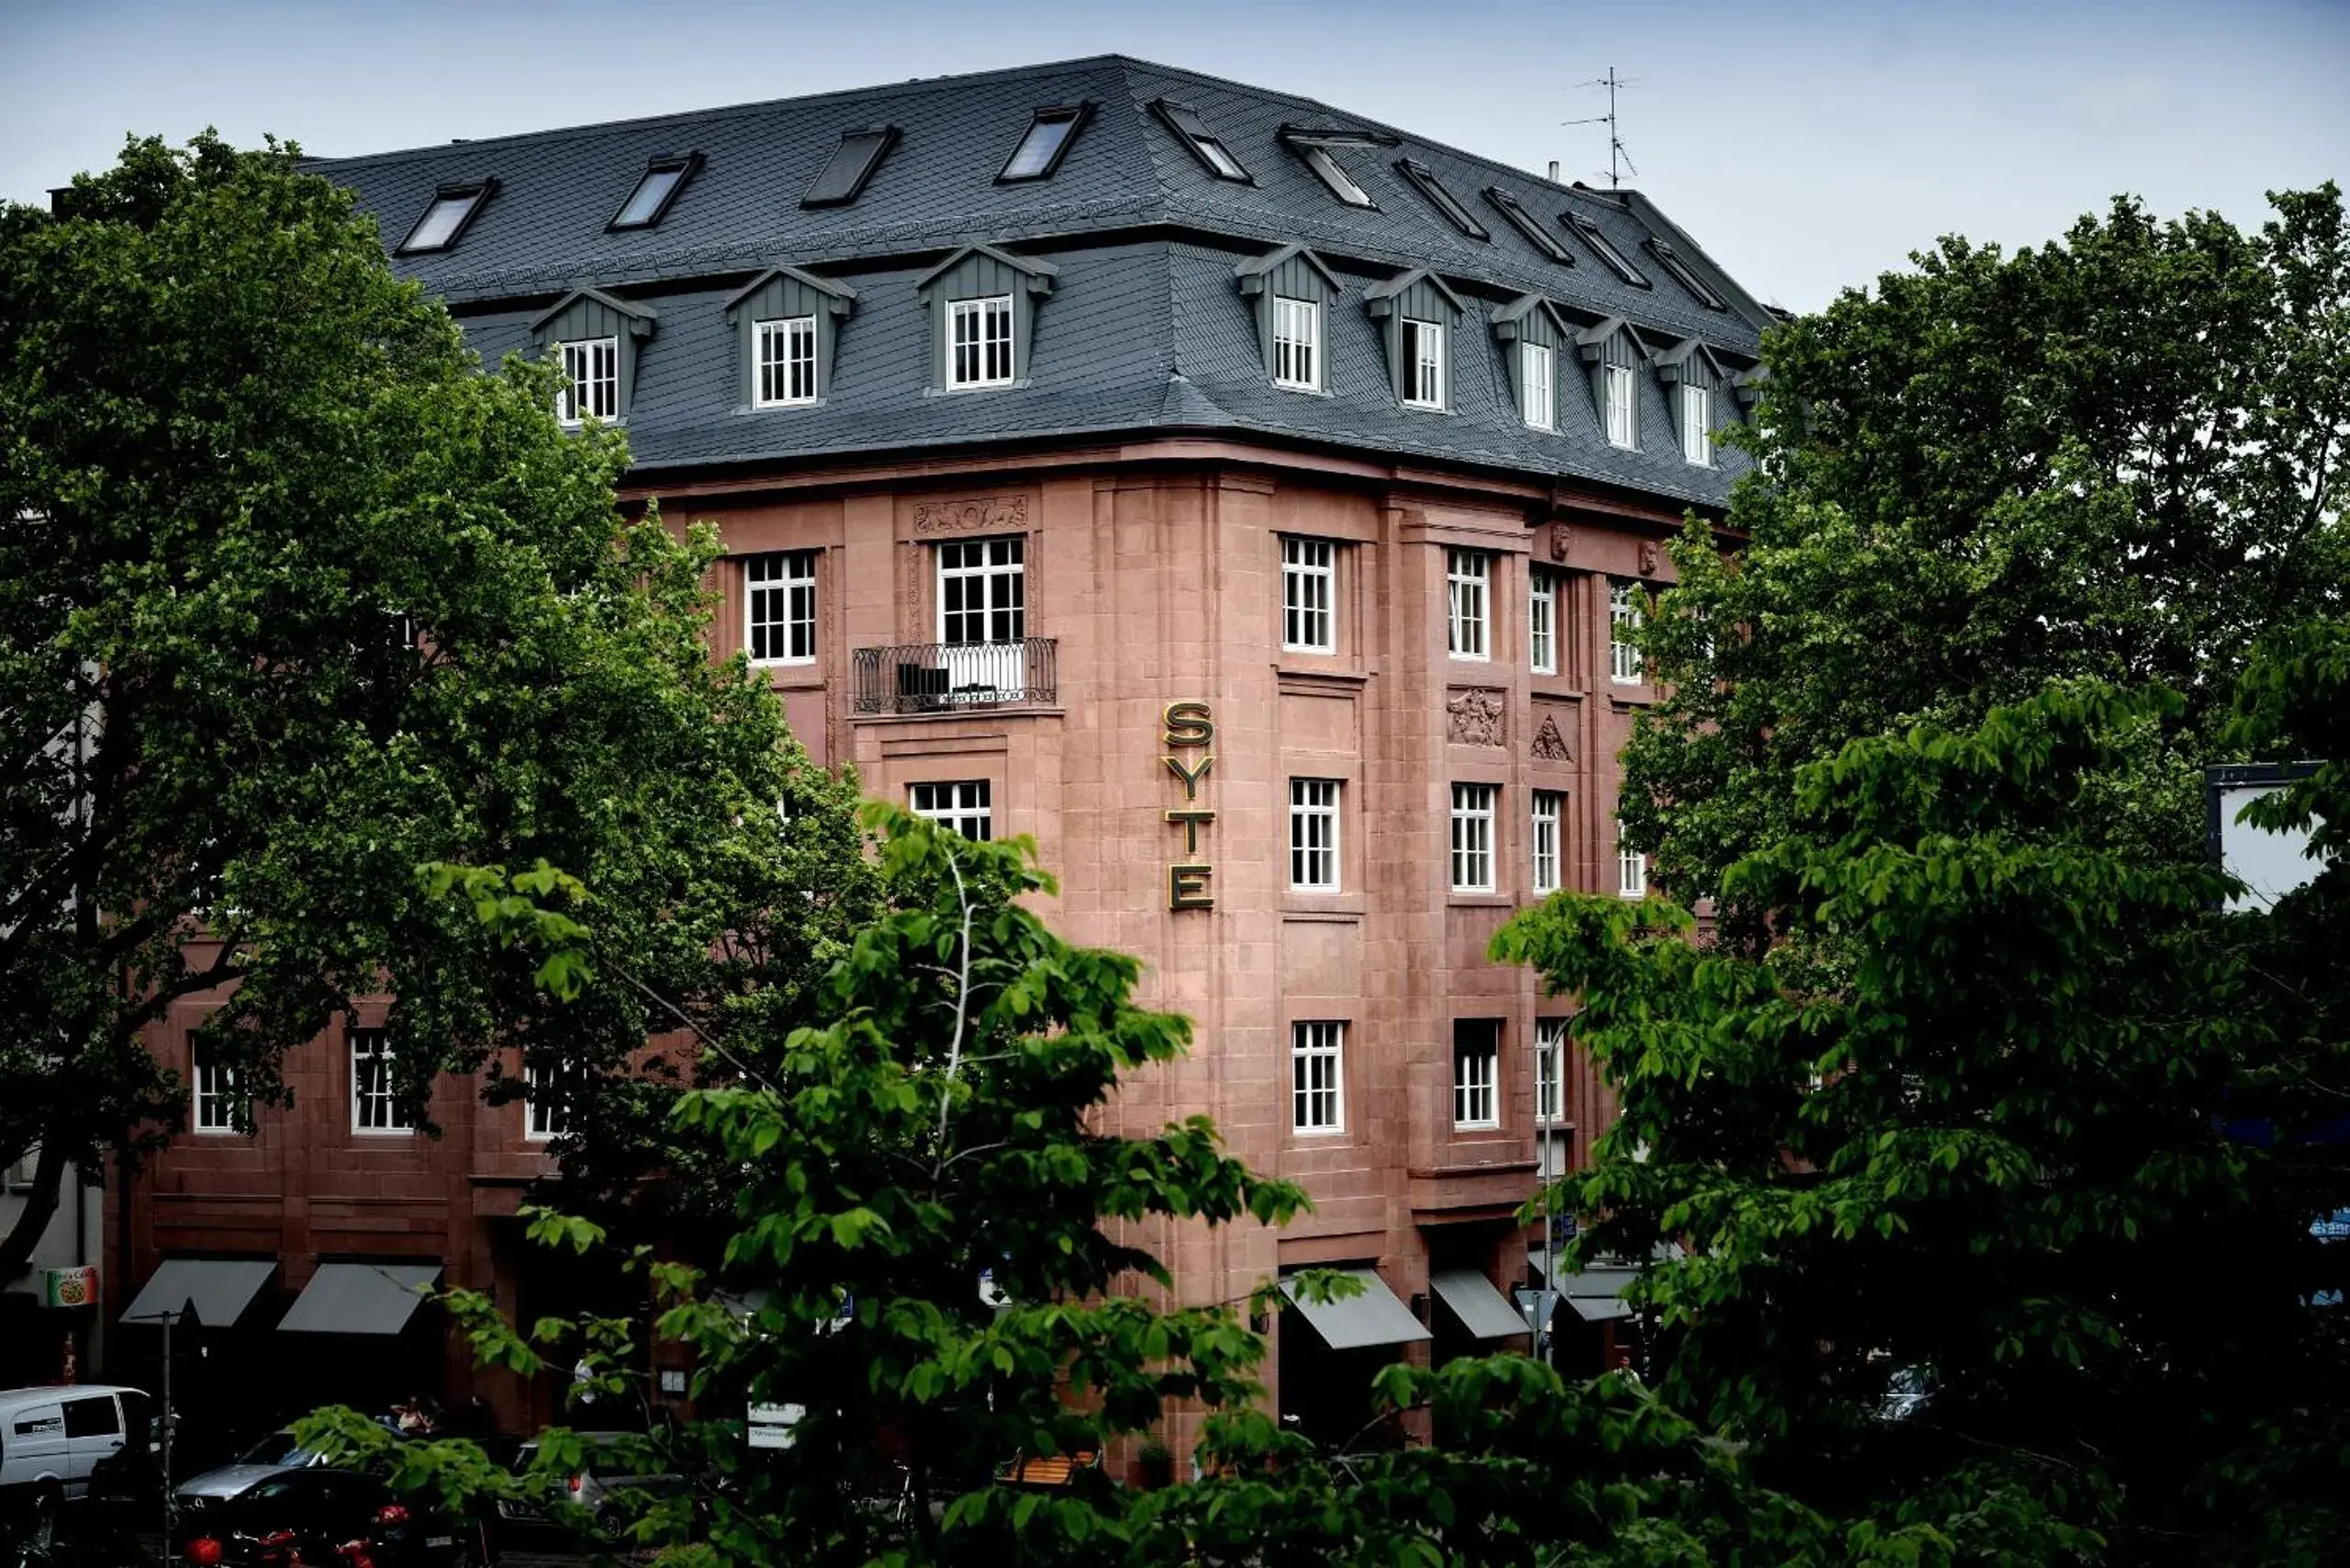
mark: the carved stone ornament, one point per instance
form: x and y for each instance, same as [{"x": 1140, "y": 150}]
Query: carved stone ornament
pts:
[
  {"x": 1562, "y": 540},
  {"x": 980, "y": 514},
  {"x": 1476, "y": 718},
  {"x": 1649, "y": 557},
  {"x": 1549, "y": 746}
]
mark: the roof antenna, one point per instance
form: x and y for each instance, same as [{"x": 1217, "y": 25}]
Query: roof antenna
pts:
[{"x": 1618, "y": 159}]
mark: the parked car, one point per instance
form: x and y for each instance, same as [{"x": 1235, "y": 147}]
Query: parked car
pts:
[
  {"x": 53, "y": 1439},
  {"x": 313, "y": 1516},
  {"x": 275, "y": 1454},
  {"x": 597, "y": 1486}
]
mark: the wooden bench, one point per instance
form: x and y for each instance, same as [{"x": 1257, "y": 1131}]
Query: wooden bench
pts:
[{"x": 1047, "y": 1472}]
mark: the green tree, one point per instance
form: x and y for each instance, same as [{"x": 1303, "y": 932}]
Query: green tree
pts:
[
  {"x": 1971, "y": 1120},
  {"x": 294, "y": 598},
  {"x": 2115, "y": 457}
]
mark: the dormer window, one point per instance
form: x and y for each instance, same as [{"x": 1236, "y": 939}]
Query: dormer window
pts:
[
  {"x": 843, "y": 178},
  {"x": 1524, "y": 222},
  {"x": 1670, "y": 258},
  {"x": 1424, "y": 180},
  {"x": 1604, "y": 249},
  {"x": 1619, "y": 411},
  {"x": 1691, "y": 373},
  {"x": 786, "y": 322},
  {"x": 1418, "y": 310},
  {"x": 1292, "y": 289},
  {"x": 1529, "y": 330},
  {"x": 1423, "y": 364},
  {"x": 786, "y": 371},
  {"x": 1537, "y": 378},
  {"x": 981, "y": 350},
  {"x": 445, "y": 221},
  {"x": 1697, "y": 424},
  {"x": 1314, "y": 150},
  {"x": 591, "y": 382},
  {"x": 656, "y": 190},
  {"x": 1047, "y": 141},
  {"x": 1203, "y": 143},
  {"x": 1297, "y": 344}
]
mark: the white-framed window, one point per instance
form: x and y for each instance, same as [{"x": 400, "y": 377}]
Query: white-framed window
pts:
[
  {"x": 591, "y": 381},
  {"x": 545, "y": 1115},
  {"x": 1313, "y": 835},
  {"x": 1476, "y": 1073},
  {"x": 221, "y": 1104},
  {"x": 779, "y": 607},
  {"x": 1542, "y": 622},
  {"x": 373, "y": 1108},
  {"x": 1423, "y": 364},
  {"x": 1468, "y": 581},
  {"x": 1550, "y": 812},
  {"x": 1697, "y": 424},
  {"x": 965, "y": 805},
  {"x": 983, "y": 590},
  {"x": 1536, "y": 386},
  {"x": 1308, "y": 577},
  {"x": 1549, "y": 1071},
  {"x": 1472, "y": 838},
  {"x": 1317, "y": 1076},
  {"x": 979, "y": 341},
  {"x": 1623, "y": 619},
  {"x": 1297, "y": 344},
  {"x": 1631, "y": 868},
  {"x": 1616, "y": 384},
  {"x": 786, "y": 367}
]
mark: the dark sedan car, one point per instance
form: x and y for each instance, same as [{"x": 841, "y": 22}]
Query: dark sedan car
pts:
[{"x": 313, "y": 1516}]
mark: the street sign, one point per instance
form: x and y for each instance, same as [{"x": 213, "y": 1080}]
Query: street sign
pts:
[{"x": 770, "y": 1424}]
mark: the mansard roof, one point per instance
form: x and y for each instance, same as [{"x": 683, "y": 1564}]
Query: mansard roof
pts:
[{"x": 1127, "y": 206}]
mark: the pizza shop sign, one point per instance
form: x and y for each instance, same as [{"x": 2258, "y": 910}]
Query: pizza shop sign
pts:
[{"x": 1190, "y": 729}]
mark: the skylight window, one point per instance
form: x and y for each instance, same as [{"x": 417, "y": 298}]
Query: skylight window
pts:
[
  {"x": 1683, "y": 275},
  {"x": 1424, "y": 177},
  {"x": 1314, "y": 149},
  {"x": 1522, "y": 222},
  {"x": 655, "y": 189},
  {"x": 1048, "y": 138},
  {"x": 842, "y": 177},
  {"x": 1204, "y": 144},
  {"x": 1602, "y": 247},
  {"x": 445, "y": 221}
]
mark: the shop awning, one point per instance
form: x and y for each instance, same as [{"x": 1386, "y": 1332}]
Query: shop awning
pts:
[
  {"x": 360, "y": 1298},
  {"x": 1373, "y": 1317},
  {"x": 1597, "y": 1293},
  {"x": 1481, "y": 1309},
  {"x": 219, "y": 1289}
]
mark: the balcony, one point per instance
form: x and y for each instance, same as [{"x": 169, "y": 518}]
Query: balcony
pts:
[{"x": 954, "y": 677}]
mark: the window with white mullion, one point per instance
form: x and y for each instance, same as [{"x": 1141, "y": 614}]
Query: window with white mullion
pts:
[
  {"x": 1547, "y": 815},
  {"x": 1423, "y": 364},
  {"x": 1616, "y": 383},
  {"x": 1297, "y": 344},
  {"x": 786, "y": 369},
  {"x": 1631, "y": 868},
  {"x": 1476, "y": 1073},
  {"x": 548, "y": 1114},
  {"x": 1697, "y": 425},
  {"x": 1317, "y": 1076},
  {"x": 1543, "y": 623},
  {"x": 1472, "y": 838},
  {"x": 779, "y": 608},
  {"x": 591, "y": 381},
  {"x": 1550, "y": 1070},
  {"x": 1468, "y": 576},
  {"x": 1623, "y": 668},
  {"x": 982, "y": 591},
  {"x": 1536, "y": 386},
  {"x": 1308, "y": 575},
  {"x": 963, "y": 805},
  {"x": 979, "y": 341},
  {"x": 221, "y": 1105},
  {"x": 375, "y": 1108},
  {"x": 1313, "y": 835}
]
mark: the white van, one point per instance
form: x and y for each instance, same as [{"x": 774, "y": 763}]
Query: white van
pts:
[{"x": 52, "y": 1439}]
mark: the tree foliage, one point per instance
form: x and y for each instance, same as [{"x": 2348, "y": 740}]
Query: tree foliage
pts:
[
  {"x": 2116, "y": 457},
  {"x": 294, "y": 598}
]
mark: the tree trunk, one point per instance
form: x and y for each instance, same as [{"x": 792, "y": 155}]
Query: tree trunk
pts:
[{"x": 40, "y": 1208}]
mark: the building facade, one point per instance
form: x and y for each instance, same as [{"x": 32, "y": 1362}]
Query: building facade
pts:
[{"x": 1246, "y": 499}]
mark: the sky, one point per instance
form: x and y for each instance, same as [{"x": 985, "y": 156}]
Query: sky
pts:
[{"x": 1807, "y": 146}]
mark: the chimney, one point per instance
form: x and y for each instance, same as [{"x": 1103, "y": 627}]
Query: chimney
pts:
[{"x": 1554, "y": 171}]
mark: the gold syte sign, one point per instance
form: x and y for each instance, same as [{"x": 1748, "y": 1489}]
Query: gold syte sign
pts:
[{"x": 1190, "y": 731}]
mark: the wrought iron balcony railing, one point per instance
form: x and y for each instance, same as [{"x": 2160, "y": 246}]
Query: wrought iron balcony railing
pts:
[{"x": 943, "y": 678}]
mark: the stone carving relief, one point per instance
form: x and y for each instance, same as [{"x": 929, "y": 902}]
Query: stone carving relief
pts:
[
  {"x": 1649, "y": 557},
  {"x": 1476, "y": 718},
  {"x": 982, "y": 513},
  {"x": 1562, "y": 540},
  {"x": 1549, "y": 746}
]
